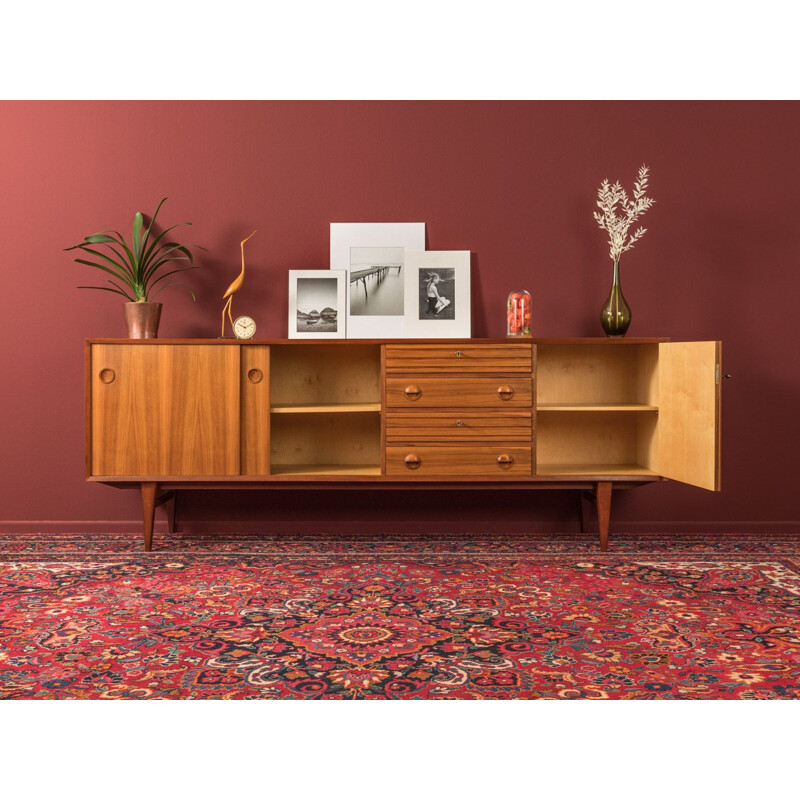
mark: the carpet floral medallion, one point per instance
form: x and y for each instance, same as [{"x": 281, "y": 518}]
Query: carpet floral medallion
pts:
[{"x": 384, "y": 617}]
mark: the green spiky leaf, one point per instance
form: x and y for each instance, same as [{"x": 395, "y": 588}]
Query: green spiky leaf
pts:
[
  {"x": 138, "y": 265},
  {"x": 100, "y": 238},
  {"x": 107, "y": 289}
]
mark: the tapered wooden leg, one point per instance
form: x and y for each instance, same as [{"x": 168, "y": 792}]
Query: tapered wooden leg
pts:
[
  {"x": 585, "y": 502},
  {"x": 148, "y": 513},
  {"x": 168, "y": 500},
  {"x": 169, "y": 506},
  {"x": 603, "y": 511}
]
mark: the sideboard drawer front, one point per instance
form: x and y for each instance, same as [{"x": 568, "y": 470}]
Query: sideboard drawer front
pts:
[
  {"x": 427, "y": 391},
  {"x": 465, "y": 461},
  {"x": 497, "y": 358},
  {"x": 458, "y": 427}
]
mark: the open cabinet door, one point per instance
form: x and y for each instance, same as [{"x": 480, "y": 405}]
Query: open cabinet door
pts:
[{"x": 689, "y": 412}]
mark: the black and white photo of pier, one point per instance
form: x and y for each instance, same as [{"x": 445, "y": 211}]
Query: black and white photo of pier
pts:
[{"x": 376, "y": 281}]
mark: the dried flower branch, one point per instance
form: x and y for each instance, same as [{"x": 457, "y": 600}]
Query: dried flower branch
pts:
[{"x": 609, "y": 197}]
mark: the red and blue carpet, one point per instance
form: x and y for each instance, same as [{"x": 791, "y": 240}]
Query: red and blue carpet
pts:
[{"x": 658, "y": 616}]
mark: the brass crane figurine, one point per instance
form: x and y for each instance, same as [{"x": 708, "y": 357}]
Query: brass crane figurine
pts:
[{"x": 233, "y": 288}]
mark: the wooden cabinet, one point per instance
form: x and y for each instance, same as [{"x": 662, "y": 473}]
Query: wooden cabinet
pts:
[{"x": 584, "y": 414}]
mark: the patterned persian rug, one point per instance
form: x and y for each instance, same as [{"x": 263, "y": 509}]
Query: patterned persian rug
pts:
[{"x": 658, "y": 616}]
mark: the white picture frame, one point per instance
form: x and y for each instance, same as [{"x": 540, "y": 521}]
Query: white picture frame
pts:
[
  {"x": 317, "y": 304},
  {"x": 443, "y": 311},
  {"x": 376, "y": 251}
]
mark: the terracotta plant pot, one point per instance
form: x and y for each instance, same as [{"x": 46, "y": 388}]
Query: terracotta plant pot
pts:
[{"x": 142, "y": 320}]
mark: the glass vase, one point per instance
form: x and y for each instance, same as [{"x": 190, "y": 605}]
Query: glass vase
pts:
[
  {"x": 518, "y": 316},
  {"x": 615, "y": 315}
]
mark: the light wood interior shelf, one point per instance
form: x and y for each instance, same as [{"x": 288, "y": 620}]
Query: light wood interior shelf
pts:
[
  {"x": 327, "y": 408},
  {"x": 595, "y": 407},
  {"x": 593, "y": 469},
  {"x": 326, "y": 469}
]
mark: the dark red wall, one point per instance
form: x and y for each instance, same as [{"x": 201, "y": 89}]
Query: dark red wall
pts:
[{"x": 513, "y": 182}]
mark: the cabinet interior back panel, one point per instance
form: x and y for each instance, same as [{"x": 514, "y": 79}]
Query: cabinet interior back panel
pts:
[
  {"x": 597, "y": 374},
  {"x": 595, "y": 438},
  {"x": 332, "y": 439},
  {"x": 309, "y": 374}
]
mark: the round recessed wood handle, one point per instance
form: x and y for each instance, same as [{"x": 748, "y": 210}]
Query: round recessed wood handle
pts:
[
  {"x": 504, "y": 461},
  {"x": 107, "y": 375},
  {"x": 255, "y": 376},
  {"x": 413, "y": 461},
  {"x": 505, "y": 392},
  {"x": 412, "y": 392}
]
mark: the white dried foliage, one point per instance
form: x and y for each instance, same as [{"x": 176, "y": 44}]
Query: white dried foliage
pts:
[{"x": 613, "y": 199}]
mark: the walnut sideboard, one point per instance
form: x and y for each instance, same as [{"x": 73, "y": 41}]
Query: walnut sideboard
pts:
[{"x": 581, "y": 414}]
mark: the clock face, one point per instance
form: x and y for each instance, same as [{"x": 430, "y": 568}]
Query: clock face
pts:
[{"x": 244, "y": 327}]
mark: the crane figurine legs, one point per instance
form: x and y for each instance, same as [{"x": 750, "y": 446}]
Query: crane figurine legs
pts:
[{"x": 226, "y": 307}]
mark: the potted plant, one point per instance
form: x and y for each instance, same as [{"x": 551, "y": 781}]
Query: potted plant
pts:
[{"x": 137, "y": 269}]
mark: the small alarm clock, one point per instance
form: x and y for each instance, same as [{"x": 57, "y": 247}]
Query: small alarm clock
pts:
[{"x": 244, "y": 327}]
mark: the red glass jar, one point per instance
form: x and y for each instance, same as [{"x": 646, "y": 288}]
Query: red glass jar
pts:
[{"x": 519, "y": 314}]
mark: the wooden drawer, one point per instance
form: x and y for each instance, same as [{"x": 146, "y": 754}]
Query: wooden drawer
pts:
[
  {"x": 428, "y": 391},
  {"x": 463, "y": 461},
  {"x": 457, "y": 427},
  {"x": 495, "y": 358}
]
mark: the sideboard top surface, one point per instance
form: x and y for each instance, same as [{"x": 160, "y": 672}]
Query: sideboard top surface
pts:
[{"x": 334, "y": 342}]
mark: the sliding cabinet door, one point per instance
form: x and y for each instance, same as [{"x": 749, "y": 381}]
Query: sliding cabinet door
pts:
[{"x": 164, "y": 410}]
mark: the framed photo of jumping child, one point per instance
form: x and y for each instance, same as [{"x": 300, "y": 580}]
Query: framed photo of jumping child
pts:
[{"x": 438, "y": 296}]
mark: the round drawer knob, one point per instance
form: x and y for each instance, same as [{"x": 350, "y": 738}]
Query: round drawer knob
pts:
[
  {"x": 459, "y": 354},
  {"x": 255, "y": 376},
  {"x": 459, "y": 423},
  {"x": 505, "y": 392},
  {"x": 107, "y": 375},
  {"x": 413, "y": 461},
  {"x": 412, "y": 392},
  {"x": 505, "y": 461}
]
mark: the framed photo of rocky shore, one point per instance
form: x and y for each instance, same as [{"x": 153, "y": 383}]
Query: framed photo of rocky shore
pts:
[
  {"x": 317, "y": 304},
  {"x": 373, "y": 256},
  {"x": 438, "y": 294}
]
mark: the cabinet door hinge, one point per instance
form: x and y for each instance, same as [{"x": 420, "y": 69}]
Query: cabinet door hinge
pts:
[{"x": 716, "y": 374}]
